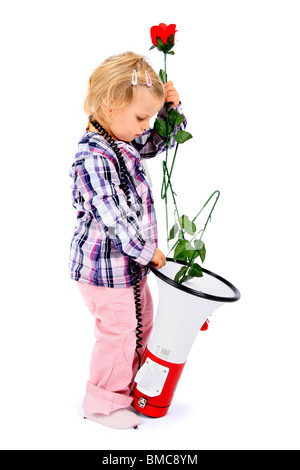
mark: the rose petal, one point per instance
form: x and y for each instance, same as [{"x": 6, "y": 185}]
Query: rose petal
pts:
[
  {"x": 171, "y": 29},
  {"x": 155, "y": 32}
]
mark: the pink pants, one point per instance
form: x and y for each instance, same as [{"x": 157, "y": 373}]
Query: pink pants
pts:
[{"x": 114, "y": 361}]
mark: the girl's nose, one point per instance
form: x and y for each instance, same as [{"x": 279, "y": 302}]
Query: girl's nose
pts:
[{"x": 145, "y": 126}]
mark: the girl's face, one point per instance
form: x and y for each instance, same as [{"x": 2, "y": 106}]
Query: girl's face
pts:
[{"x": 130, "y": 122}]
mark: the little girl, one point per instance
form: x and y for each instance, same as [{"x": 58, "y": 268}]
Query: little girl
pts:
[{"x": 116, "y": 225}]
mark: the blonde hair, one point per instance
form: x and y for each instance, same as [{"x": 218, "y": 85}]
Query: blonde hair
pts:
[{"x": 111, "y": 83}]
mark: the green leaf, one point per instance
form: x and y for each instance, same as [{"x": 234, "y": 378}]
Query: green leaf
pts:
[
  {"x": 180, "y": 251},
  {"x": 160, "y": 45},
  {"x": 182, "y": 136},
  {"x": 173, "y": 232},
  {"x": 171, "y": 53},
  {"x": 187, "y": 225},
  {"x": 183, "y": 250},
  {"x": 180, "y": 273},
  {"x": 200, "y": 247},
  {"x": 176, "y": 118},
  {"x": 163, "y": 76},
  {"x": 195, "y": 270},
  {"x": 152, "y": 47},
  {"x": 170, "y": 42},
  {"x": 161, "y": 127}
]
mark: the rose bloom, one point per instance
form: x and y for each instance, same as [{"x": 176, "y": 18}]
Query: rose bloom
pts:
[{"x": 162, "y": 31}]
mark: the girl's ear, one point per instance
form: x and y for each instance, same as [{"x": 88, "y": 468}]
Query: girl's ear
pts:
[{"x": 108, "y": 110}]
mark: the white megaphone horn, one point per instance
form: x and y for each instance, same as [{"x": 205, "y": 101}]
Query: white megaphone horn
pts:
[{"x": 182, "y": 311}]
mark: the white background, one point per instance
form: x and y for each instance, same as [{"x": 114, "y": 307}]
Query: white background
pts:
[{"x": 237, "y": 70}]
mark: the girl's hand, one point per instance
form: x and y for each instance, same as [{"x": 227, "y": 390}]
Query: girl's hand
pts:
[
  {"x": 159, "y": 259},
  {"x": 172, "y": 95}
]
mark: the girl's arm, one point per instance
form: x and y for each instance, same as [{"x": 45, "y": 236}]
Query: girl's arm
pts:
[
  {"x": 98, "y": 183},
  {"x": 151, "y": 143}
]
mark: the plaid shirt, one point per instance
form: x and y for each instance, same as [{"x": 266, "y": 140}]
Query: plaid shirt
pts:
[{"x": 109, "y": 233}]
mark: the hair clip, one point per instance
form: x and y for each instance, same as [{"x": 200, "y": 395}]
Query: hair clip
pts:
[
  {"x": 148, "y": 79},
  {"x": 134, "y": 79}
]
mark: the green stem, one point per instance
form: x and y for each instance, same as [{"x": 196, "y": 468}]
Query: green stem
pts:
[
  {"x": 165, "y": 162},
  {"x": 174, "y": 158},
  {"x": 202, "y": 230},
  {"x": 165, "y": 186},
  {"x": 167, "y": 216},
  {"x": 208, "y": 218},
  {"x": 171, "y": 187}
]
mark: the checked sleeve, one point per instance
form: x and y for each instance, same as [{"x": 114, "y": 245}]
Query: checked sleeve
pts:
[{"x": 99, "y": 185}]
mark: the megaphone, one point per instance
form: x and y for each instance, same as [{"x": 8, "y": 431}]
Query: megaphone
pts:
[{"x": 182, "y": 311}]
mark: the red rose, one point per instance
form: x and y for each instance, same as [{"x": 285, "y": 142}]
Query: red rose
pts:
[{"x": 162, "y": 31}]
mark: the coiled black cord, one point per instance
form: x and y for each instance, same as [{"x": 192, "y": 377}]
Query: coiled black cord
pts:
[
  {"x": 114, "y": 146},
  {"x": 138, "y": 308},
  {"x": 135, "y": 270}
]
